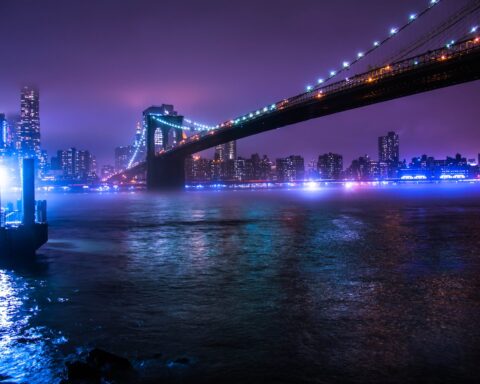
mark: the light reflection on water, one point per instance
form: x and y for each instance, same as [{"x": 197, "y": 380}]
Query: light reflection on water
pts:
[
  {"x": 27, "y": 350},
  {"x": 376, "y": 285}
]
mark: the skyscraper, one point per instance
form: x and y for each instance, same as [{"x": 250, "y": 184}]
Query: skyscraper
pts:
[
  {"x": 75, "y": 164},
  {"x": 291, "y": 168},
  {"x": 388, "y": 148},
  {"x": 227, "y": 151},
  {"x": 29, "y": 128},
  {"x": 389, "y": 152},
  {"x": 225, "y": 156},
  {"x": 3, "y": 132},
  {"x": 330, "y": 166}
]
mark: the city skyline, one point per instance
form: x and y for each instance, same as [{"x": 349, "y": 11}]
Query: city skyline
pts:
[{"x": 115, "y": 104}]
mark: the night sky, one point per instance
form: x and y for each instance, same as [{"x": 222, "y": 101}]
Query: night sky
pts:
[{"x": 99, "y": 63}]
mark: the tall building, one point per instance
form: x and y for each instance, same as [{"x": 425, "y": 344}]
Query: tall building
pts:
[
  {"x": 29, "y": 128},
  {"x": 388, "y": 148},
  {"x": 330, "y": 166},
  {"x": 227, "y": 151},
  {"x": 224, "y": 161},
  {"x": 256, "y": 168},
  {"x": 389, "y": 152},
  {"x": 290, "y": 168},
  {"x": 74, "y": 164},
  {"x": 4, "y": 131},
  {"x": 360, "y": 169},
  {"x": 198, "y": 169}
]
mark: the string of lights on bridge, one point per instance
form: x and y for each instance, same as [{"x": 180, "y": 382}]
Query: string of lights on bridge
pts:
[
  {"x": 413, "y": 17},
  {"x": 394, "y": 31}
]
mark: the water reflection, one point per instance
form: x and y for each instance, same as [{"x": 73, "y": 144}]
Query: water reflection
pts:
[
  {"x": 361, "y": 286},
  {"x": 28, "y": 350}
]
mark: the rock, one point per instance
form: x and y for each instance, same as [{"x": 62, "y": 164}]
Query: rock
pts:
[
  {"x": 78, "y": 371},
  {"x": 99, "y": 366},
  {"x": 107, "y": 362}
]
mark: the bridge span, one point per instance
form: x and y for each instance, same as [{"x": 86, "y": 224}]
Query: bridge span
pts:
[{"x": 444, "y": 67}]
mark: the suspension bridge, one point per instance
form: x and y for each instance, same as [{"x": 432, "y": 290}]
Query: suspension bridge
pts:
[{"x": 409, "y": 70}]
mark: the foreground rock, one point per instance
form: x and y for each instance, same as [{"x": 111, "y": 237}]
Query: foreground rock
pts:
[{"x": 99, "y": 366}]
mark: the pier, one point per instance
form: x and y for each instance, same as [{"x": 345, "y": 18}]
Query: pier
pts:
[{"x": 21, "y": 239}]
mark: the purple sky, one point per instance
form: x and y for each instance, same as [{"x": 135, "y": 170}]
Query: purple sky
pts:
[{"x": 100, "y": 63}]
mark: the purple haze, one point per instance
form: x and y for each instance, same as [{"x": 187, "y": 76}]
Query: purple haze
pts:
[{"x": 100, "y": 63}]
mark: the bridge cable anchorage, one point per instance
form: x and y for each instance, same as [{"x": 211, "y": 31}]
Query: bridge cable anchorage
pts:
[{"x": 469, "y": 9}]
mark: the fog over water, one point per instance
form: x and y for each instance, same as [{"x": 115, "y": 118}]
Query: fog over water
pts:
[{"x": 360, "y": 285}]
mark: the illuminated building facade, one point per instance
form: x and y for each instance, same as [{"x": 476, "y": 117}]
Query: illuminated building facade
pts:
[
  {"x": 330, "y": 166},
  {"x": 389, "y": 152},
  {"x": 29, "y": 128},
  {"x": 291, "y": 168}
]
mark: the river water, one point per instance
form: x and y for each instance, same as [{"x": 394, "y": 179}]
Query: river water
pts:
[{"x": 359, "y": 285}]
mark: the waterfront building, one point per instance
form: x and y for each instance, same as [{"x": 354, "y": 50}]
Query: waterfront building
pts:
[
  {"x": 4, "y": 132},
  {"x": 291, "y": 168},
  {"x": 198, "y": 169},
  {"x": 330, "y": 166},
  {"x": 311, "y": 172},
  {"x": 360, "y": 169},
  {"x": 257, "y": 168},
  {"x": 389, "y": 152},
  {"x": 227, "y": 151},
  {"x": 225, "y": 156},
  {"x": 73, "y": 165},
  {"x": 239, "y": 168},
  {"x": 427, "y": 167}
]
